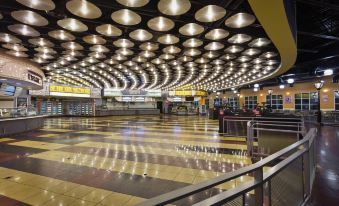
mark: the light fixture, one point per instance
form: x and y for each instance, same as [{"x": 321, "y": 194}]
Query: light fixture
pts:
[
  {"x": 270, "y": 91},
  {"x": 290, "y": 81},
  {"x": 319, "y": 85},
  {"x": 328, "y": 72},
  {"x": 281, "y": 86},
  {"x": 256, "y": 85},
  {"x": 256, "y": 89}
]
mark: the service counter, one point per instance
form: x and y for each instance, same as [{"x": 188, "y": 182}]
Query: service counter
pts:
[
  {"x": 127, "y": 112},
  {"x": 15, "y": 125}
]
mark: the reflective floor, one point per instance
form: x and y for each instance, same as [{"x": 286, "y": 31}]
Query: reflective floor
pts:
[{"x": 115, "y": 160}]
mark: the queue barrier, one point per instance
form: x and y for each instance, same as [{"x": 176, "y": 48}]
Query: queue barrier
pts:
[{"x": 288, "y": 181}]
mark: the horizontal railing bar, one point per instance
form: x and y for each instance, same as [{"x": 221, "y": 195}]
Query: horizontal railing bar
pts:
[
  {"x": 192, "y": 189},
  {"x": 284, "y": 163},
  {"x": 277, "y": 130},
  {"x": 229, "y": 194}
]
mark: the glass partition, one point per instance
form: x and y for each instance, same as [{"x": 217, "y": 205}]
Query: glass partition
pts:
[{"x": 17, "y": 112}]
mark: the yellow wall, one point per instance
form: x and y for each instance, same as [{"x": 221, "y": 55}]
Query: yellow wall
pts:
[{"x": 328, "y": 89}]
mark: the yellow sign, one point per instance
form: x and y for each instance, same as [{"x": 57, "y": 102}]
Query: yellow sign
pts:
[
  {"x": 183, "y": 93},
  {"x": 188, "y": 93},
  {"x": 74, "y": 90},
  {"x": 200, "y": 93}
]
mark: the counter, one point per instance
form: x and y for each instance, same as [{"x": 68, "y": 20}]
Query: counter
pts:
[
  {"x": 10, "y": 126},
  {"x": 127, "y": 112}
]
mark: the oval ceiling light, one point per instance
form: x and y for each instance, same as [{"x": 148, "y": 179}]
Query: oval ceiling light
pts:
[
  {"x": 251, "y": 52},
  {"x": 214, "y": 46},
  {"x": 174, "y": 7},
  {"x": 126, "y": 17},
  {"x": 99, "y": 48},
  {"x": 259, "y": 42},
  {"x": 72, "y": 25},
  {"x": 108, "y": 30},
  {"x": 160, "y": 24},
  {"x": 234, "y": 49},
  {"x": 84, "y": 9},
  {"x": 192, "y": 42},
  {"x": 216, "y": 34},
  {"x": 94, "y": 39},
  {"x": 133, "y": 3},
  {"x": 210, "y": 13},
  {"x": 171, "y": 49},
  {"x": 45, "y": 5},
  {"x": 41, "y": 42},
  {"x": 140, "y": 35},
  {"x": 192, "y": 52},
  {"x": 9, "y": 38},
  {"x": 61, "y": 35},
  {"x": 15, "y": 47},
  {"x": 191, "y": 29},
  {"x": 149, "y": 46},
  {"x": 168, "y": 39},
  {"x": 240, "y": 20},
  {"x": 29, "y": 17},
  {"x": 72, "y": 46},
  {"x": 17, "y": 53},
  {"x": 239, "y": 38},
  {"x": 24, "y": 30},
  {"x": 124, "y": 43}
]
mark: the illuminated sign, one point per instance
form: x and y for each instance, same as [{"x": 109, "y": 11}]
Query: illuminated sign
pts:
[
  {"x": 110, "y": 92},
  {"x": 66, "y": 91},
  {"x": 187, "y": 93}
]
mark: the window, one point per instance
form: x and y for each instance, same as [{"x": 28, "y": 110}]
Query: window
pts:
[
  {"x": 233, "y": 102},
  {"x": 276, "y": 102},
  {"x": 306, "y": 101},
  {"x": 336, "y": 100},
  {"x": 251, "y": 102}
]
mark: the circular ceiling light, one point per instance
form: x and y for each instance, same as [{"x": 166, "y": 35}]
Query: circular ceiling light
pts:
[
  {"x": 192, "y": 52},
  {"x": 192, "y": 42},
  {"x": 94, "y": 39},
  {"x": 211, "y": 54},
  {"x": 216, "y": 34},
  {"x": 174, "y": 7},
  {"x": 234, "y": 49},
  {"x": 210, "y": 13},
  {"x": 126, "y": 17},
  {"x": 17, "y": 53},
  {"x": 99, "y": 48},
  {"x": 72, "y": 46},
  {"x": 268, "y": 55},
  {"x": 8, "y": 38},
  {"x": 214, "y": 46},
  {"x": 124, "y": 43},
  {"x": 108, "y": 30},
  {"x": 15, "y": 47},
  {"x": 140, "y": 35},
  {"x": 259, "y": 42},
  {"x": 72, "y": 25},
  {"x": 84, "y": 9},
  {"x": 148, "y": 46},
  {"x": 171, "y": 50},
  {"x": 24, "y": 30},
  {"x": 251, "y": 52},
  {"x": 133, "y": 3},
  {"x": 239, "y": 38},
  {"x": 240, "y": 20},
  {"x": 168, "y": 39},
  {"x": 61, "y": 35},
  {"x": 191, "y": 29},
  {"x": 147, "y": 54},
  {"x": 160, "y": 24},
  {"x": 124, "y": 51},
  {"x": 45, "y": 5},
  {"x": 29, "y": 17},
  {"x": 41, "y": 42}
]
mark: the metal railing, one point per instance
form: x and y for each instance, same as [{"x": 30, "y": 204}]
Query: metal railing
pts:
[
  {"x": 287, "y": 128},
  {"x": 287, "y": 182}
]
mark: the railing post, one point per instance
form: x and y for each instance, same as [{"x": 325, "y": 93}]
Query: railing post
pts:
[
  {"x": 306, "y": 170},
  {"x": 259, "y": 191},
  {"x": 249, "y": 138}
]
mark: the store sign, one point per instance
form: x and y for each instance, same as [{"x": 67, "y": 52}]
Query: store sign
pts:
[
  {"x": 66, "y": 91},
  {"x": 34, "y": 78},
  {"x": 110, "y": 92},
  {"x": 187, "y": 93}
]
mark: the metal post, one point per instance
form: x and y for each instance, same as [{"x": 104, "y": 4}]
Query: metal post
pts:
[
  {"x": 306, "y": 170},
  {"x": 319, "y": 110},
  {"x": 259, "y": 191}
]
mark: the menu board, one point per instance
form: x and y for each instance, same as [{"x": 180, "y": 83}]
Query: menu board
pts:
[{"x": 7, "y": 90}]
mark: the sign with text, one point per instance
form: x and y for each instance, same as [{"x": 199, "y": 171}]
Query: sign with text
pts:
[
  {"x": 110, "y": 92},
  {"x": 67, "y": 91}
]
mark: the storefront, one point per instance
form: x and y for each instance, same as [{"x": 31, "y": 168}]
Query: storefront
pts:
[
  {"x": 65, "y": 100},
  {"x": 185, "y": 102}
]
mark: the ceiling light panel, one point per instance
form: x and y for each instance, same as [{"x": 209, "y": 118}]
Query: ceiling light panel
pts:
[{"x": 140, "y": 44}]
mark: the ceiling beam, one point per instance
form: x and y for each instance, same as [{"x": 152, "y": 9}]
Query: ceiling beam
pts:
[
  {"x": 320, "y": 4},
  {"x": 323, "y": 36},
  {"x": 308, "y": 51}
]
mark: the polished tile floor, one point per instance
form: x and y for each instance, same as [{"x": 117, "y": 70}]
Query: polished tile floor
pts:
[{"x": 115, "y": 160}]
